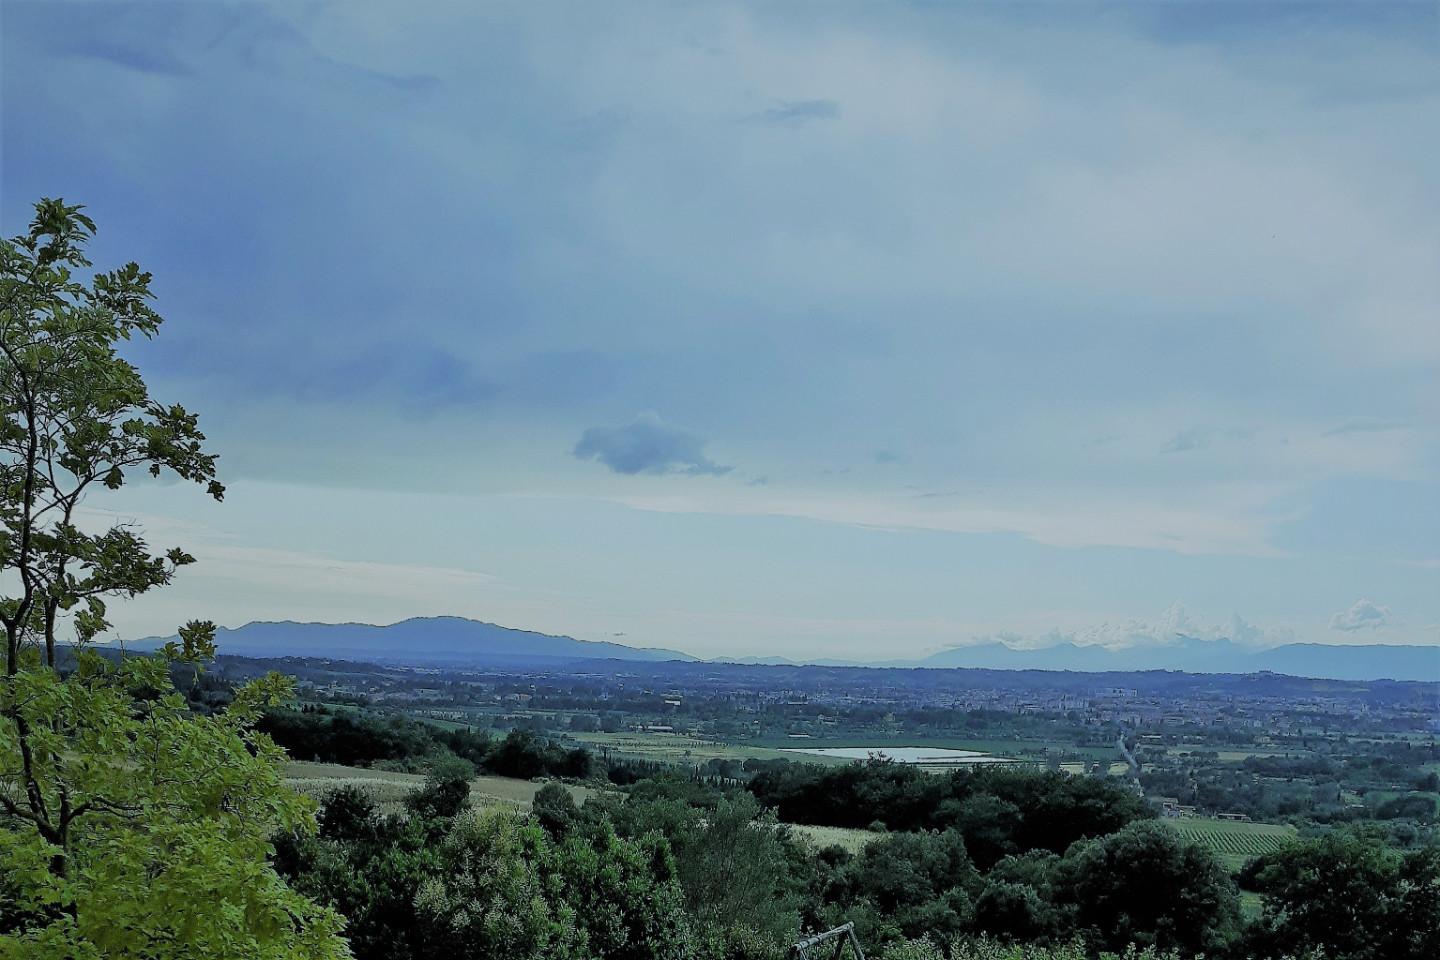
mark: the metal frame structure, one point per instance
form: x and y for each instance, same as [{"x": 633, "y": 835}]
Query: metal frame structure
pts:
[{"x": 840, "y": 935}]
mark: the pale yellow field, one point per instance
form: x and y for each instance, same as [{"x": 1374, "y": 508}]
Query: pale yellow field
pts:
[
  {"x": 388, "y": 789},
  {"x": 1117, "y": 768},
  {"x": 680, "y": 748},
  {"x": 850, "y": 838}
]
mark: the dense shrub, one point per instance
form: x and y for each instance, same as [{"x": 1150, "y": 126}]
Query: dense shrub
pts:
[
  {"x": 355, "y": 738},
  {"x": 1144, "y": 885},
  {"x": 998, "y": 810},
  {"x": 1350, "y": 896}
]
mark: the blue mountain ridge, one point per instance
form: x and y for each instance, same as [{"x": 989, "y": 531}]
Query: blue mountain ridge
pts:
[
  {"x": 421, "y": 640},
  {"x": 459, "y": 641}
]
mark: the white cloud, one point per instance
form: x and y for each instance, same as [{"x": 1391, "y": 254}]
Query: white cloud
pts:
[
  {"x": 1362, "y": 615},
  {"x": 1174, "y": 626}
]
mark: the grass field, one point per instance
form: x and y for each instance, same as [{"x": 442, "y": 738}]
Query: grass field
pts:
[
  {"x": 389, "y": 789},
  {"x": 850, "y": 838},
  {"x": 1235, "y": 842},
  {"x": 1240, "y": 756},
  {"x": 678, "y": 748},
  {"x": 441, "y": 723},
  {"x": 681, "y": 749},
  {"x": 1016, "y": 749},
  {"x": 1117, "y": 768}
]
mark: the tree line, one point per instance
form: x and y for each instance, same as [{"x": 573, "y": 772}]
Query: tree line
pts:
[
  {"x": 726, "y": 878},
  {"x": 358, "y": 738}
]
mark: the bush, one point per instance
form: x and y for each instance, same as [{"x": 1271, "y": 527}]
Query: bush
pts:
[
  {"x": 920, "y": 949},
  {"x": 1145, "y": 885},
  {"x": 505, "y": 891},
  {"x": 347, "y": 813},
  {"x": 554, "y": 809},
  {"x": 445, "y": 792},
  {"x": 1349, "y": 896}
]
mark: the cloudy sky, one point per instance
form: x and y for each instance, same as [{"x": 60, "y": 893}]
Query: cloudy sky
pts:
[{"x": 849, "y": 330}]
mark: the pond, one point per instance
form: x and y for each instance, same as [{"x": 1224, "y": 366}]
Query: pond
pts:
[{"x": 927, "y": 756}]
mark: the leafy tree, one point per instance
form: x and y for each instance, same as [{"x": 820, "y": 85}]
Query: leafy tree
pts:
[
  {"x": 584, "y": 723},
  {"x": 626, "y": 894},
  {"x": 1144, "y": 885},
  {"x": 555, "y": 809},
  {"x": 521, "y": 755},
  {"x": 1349, "y": 896},
  {"x": 1035, "y": 869},
  {"x": 168, "y": 817},
  {"x": 921, "y": 948},
  {"x": 74, "y": 415},
  {"x": 1055, "y": 809},
  {"x": 987, "y": 822},
  {"x": 926, "y": 948},
  {"x": 1415, "y": 927},
  {"x": 1001, "y": 810},
  {"x": 907, "y": 885},
  {"x": 1015, "y": 911},
  {"x": 499, "y": 894},
  {"x": 739, "y": 943},
  {"x": 738, "y": 872},
  {"x": 347, "y": 813},
  {"x": 1017, "y": 904},
  {"x": 371, "y": 877},
  {"x": 734, "y": 861},
  {"x": 985, "y": 949},
  {"x": 1414, "y": 806},
  {"x": 506, "y": 891},
  {"x": 130, "y": 826},
  {"x": 446, "y": 789}
]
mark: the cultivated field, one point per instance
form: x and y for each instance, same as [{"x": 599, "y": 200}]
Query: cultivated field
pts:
[
  {"x": 1235, "y": 842},
  {"x": 1117, "y": 768}
]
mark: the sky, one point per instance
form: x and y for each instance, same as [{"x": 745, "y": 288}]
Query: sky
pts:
[{"x": 846, "y": 330}]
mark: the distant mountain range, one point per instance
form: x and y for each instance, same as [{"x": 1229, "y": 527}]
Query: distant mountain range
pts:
[
  {"x": 456, "y": 641},
  {"x": 422, "y": 640},
  {"x": 1319, "y": 660},
  {"x": 1192, "y": 655}
]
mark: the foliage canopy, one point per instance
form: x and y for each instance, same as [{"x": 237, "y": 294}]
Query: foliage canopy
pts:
[{"x": 130, "y": 826}]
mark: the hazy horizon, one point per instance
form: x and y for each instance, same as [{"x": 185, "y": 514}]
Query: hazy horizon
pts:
[
  {"x": 1018, "y": 644},
  {"x": 854, "y": 332}
]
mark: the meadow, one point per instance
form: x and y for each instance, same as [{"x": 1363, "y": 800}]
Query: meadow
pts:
[
  {"x": 388, "y": 789},
  {"x": 851, "y": 839},
  {"x": 676, "y": 748},
  {"x": 1017, "y": 748},
  {"x": 680, "y": 748}
]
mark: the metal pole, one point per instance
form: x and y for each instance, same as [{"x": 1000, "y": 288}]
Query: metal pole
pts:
[{"x": 842, "y": 935}]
